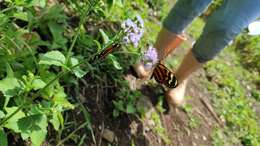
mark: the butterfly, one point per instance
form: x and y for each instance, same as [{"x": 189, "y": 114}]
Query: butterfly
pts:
[
  {"x": 103, "y": 54},
  {"x": 164, "y": 76}
]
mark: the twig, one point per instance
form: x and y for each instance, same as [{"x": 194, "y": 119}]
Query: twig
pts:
[
  {"x": 101, "y": 134},
  {"x": 212, "y": 112},
  {"x": 203, "y": 116}
]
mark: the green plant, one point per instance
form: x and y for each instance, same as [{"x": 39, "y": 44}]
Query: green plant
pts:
[
  {"x": 126, "y": 102},
  {"x": 232, "y": 102},
  {"x": 159, "y": 129},
  {"x": 194, "y": 121}
]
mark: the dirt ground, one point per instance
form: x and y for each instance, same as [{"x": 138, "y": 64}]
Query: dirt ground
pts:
[{"x": 127, "y": 130}]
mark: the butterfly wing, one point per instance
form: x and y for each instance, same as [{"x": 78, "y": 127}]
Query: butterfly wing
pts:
[
  {"x": 164, "y": 76},
  {"x": 103, "y": 54}
]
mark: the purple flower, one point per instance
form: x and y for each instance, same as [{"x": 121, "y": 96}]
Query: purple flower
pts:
[
  {"x": 150, "y": 57},
  {"x": 140, "y": 21},
  {"x": 125, "y": 40},
  {"x": 133, "y": 31}
]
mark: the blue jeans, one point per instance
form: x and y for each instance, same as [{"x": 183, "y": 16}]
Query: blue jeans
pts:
[{"x": 221, "y": 27}]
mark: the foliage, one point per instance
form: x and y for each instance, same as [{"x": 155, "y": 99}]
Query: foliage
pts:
[
  {"x": 232, "y": 101},
  {"x": 44, "y": 46},
  {"x": 248, "y": 47}
]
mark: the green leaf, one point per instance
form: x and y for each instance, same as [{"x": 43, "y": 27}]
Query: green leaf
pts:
[
  {"x": 35, "y": 127},
  {"x": 115, "y": 113},
  {"x": 130, "y": 109},
  {"x": 12, "y": 122},
  {"x": 3, "y": 138},
  {"x": 29, "y": 3},
  {"x": 104, "y": 36},
  {"x": 77, "y": 71},
  {"x": 29, "y": 123},
  {"x": 2, "y": 114},
  {"x": 57, "y": 30},
  {"x": 11, "y": 86},
  {"x": 114, "y": 61},
  {"x": 21, "y": 16},
  {"x": 60, "y": 99},
  {"x": 9, "y": 71},
  {"x": 119, "y": 105},
  {"x": 110, "y": 3},
  {"x": 55, "y": 121},
  {"x": 38, "y": 84},
  {"x": 38, "y": 137},
  {"x": 53, "y": 58}
]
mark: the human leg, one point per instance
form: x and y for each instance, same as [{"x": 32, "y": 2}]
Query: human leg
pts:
[
  {"x": 170, "y": 36},
  {"x": 220, "y": 29}
]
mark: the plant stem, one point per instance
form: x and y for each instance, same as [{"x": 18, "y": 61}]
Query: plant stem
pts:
[
  {"x": 86, "y": 116},
  {"x": 73, "y": 132},
  {"x": 82, "y": 20},
  {"x": 11, "y": 115}
]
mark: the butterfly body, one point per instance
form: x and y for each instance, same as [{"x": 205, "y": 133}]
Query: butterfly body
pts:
[
  {"x": 164, "y": 76},
  {"x": 103, "y": 54}
]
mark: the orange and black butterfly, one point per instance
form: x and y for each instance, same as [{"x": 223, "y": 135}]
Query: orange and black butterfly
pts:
[
  {"x": 164, "y": 76},
  {"x": 103, "y": 54}
]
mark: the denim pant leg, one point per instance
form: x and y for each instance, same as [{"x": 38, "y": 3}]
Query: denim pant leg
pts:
[
  {"x": 223, "y": 25},
  {"x": 183, "y": 12}
]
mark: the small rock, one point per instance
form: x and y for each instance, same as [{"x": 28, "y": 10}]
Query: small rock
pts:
[
  {"x": 204, "y": 138},
  {"x": 196, "y": 136},
  {"x": 194, "y": 144},
  {"x": 108, "y": 135},
  {"x": 159, "y": 140},
  {"x": 133, "y": 128},
  {"x": 150, "y": 123},
  {"x": 146, "y": 129}
]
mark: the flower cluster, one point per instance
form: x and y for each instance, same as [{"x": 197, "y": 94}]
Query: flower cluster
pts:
[
  {"x": 150, "y": 57},
  {"x": 134, "y": 30}
]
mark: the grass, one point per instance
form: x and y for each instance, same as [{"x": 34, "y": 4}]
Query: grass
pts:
[
  {"x": 229, "y": 83},
  {"x": 44, "y": 56}
]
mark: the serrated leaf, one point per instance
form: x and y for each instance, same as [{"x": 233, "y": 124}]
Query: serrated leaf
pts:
[
  {"x": 77, "y": 71},
  {"x": 130, "y": 109},
  {"x": 59, "y": 98},
  {"x": 38, "y": 84},
  {"x": 114, "y": 61},
  {"x": 12, "y": 122},
  {"x": 3, "y": 138},
  {"x": 104, "y": 36},
  {"x": 11, "y": 86},
  {"x": 57, "y": 30},
  {"x": 38, "y": 137},
  {"x": 53, "y": 58},
  {"x": 29, "y": 123},
  {"x": 55, "y": 121}
]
